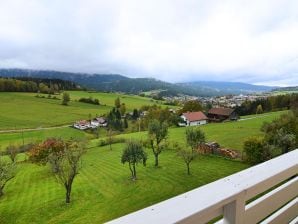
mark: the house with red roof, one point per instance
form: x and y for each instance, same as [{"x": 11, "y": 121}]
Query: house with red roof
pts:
[{"x": 193, "y": 119}]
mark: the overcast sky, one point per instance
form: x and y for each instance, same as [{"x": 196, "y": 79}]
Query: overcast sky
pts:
[{"x": 253, "y": 41}]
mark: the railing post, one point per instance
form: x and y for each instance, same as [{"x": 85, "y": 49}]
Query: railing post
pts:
[{"x": 233, "y": 213}]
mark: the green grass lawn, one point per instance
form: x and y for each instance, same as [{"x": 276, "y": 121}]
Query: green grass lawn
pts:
[
  {"x": 23, "y": 110},
  {"x": 103, "y": 190}
]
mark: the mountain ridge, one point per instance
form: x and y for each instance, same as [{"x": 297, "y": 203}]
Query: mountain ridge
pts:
[{"x": 121, "y": 83}]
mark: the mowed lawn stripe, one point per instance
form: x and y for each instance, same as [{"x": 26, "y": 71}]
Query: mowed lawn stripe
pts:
[{"x": 103, "y": 190}]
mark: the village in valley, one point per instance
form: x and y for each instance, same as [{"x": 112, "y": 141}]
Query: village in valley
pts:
[{"x": 194, "y": 118}]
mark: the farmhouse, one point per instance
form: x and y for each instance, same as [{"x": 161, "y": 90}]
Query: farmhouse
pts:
[
  {"x": 99, "y": 122},
  {"x": 193, "y": 118},
  {"x": 82, "y": 125},
  {"x": 222, "y": 114}
]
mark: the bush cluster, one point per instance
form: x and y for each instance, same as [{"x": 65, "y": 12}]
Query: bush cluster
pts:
[{"x": 89, "y": 100}]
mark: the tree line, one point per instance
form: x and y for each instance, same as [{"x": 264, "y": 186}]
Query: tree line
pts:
[
  {"x": 271, "y": 103},
  {"x": 26, "y": 84}
]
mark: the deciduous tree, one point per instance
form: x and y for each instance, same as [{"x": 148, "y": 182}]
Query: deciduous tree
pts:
[
  {"x": 133, "y": 154},
  {"x": 194, "y": 137},
  {"x": 191, "y": 105},
  {"x": 65, "y": 98},
  {"x": 157, "y": 132},
  {"x": 67, "y": 165}
]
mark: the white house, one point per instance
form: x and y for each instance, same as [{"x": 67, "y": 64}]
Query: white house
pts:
[
  {"x": 82, "y": 125},
  {"x": 193, "y": 119}
]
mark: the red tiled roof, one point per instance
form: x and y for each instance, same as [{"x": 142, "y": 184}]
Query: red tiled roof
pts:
[
  {"x": 195, "y": 116},
  {"x": 221, "y": 111},
  {"x": 82, "y": 122}
]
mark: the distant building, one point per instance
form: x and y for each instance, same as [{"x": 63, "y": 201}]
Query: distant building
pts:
[
  {"x": 94, "y": 123},
  {"x": 222, "y": 114},
  {"x": 82, "y": 125},
  {"x": 99, "y": 122},
  {"x": 193, "y": 119}
]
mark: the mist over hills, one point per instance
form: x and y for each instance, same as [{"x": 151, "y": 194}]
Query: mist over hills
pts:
[{"x": 120, "y": 83}]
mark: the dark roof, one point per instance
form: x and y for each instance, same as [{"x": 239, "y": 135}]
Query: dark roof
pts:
[
  {"x": 195, "y": 116},
  {"x": 221, "y": 111}
]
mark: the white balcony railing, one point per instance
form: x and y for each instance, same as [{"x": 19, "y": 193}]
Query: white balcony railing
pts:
[{"x": 228, "y": 198}]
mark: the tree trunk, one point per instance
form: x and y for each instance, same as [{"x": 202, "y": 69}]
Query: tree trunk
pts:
[
  {"x": 1, "y": 191},
  {"x": 134, "y": 171},
  {"x": 156, "y": 159},
  {"x": 68, "y": 192},
  {"x": 188, "y": 169},
  {"x": 132, "y": 174}
]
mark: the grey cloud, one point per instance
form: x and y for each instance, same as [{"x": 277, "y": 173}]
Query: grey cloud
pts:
[{"x": 250, "y": 41}]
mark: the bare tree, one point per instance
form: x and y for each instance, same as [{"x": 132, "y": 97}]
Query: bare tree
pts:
[{"x": 67, "y": 164}]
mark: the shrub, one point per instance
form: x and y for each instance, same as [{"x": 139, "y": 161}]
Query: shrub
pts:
[
  {"x": 89, "y": 100},
  {"x": 256, "y": 150}
]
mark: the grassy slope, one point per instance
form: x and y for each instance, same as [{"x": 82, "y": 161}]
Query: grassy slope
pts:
[
  {"x": 231, "y": 134},
  {"x": 103, "y": 190},
  {"x": 131, "y": 101},
  {"x": 23, "y": 110}
]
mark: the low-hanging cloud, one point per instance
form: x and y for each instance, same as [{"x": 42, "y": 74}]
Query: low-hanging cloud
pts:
[{"x": 174, "y": 40}]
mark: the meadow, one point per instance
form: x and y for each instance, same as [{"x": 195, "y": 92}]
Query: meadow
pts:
[
  {"x": 229, "y": 134},
  {"x": 103, "y": 189},
  {"x": 24, "y": 110}
]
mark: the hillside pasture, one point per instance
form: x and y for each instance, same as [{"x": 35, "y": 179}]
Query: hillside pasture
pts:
[{"x": 24, "y": 110}]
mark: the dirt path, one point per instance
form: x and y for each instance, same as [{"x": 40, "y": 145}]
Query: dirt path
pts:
[
  {"x": 243, "y": 119},
  {"x": 33, "y": 129}
]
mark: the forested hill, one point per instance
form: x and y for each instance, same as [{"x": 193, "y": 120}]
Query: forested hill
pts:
[
  {"x": 291, "y": 88},
  {"x": 119, "y": 83},
  {"x": 31, "y": 84}
]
